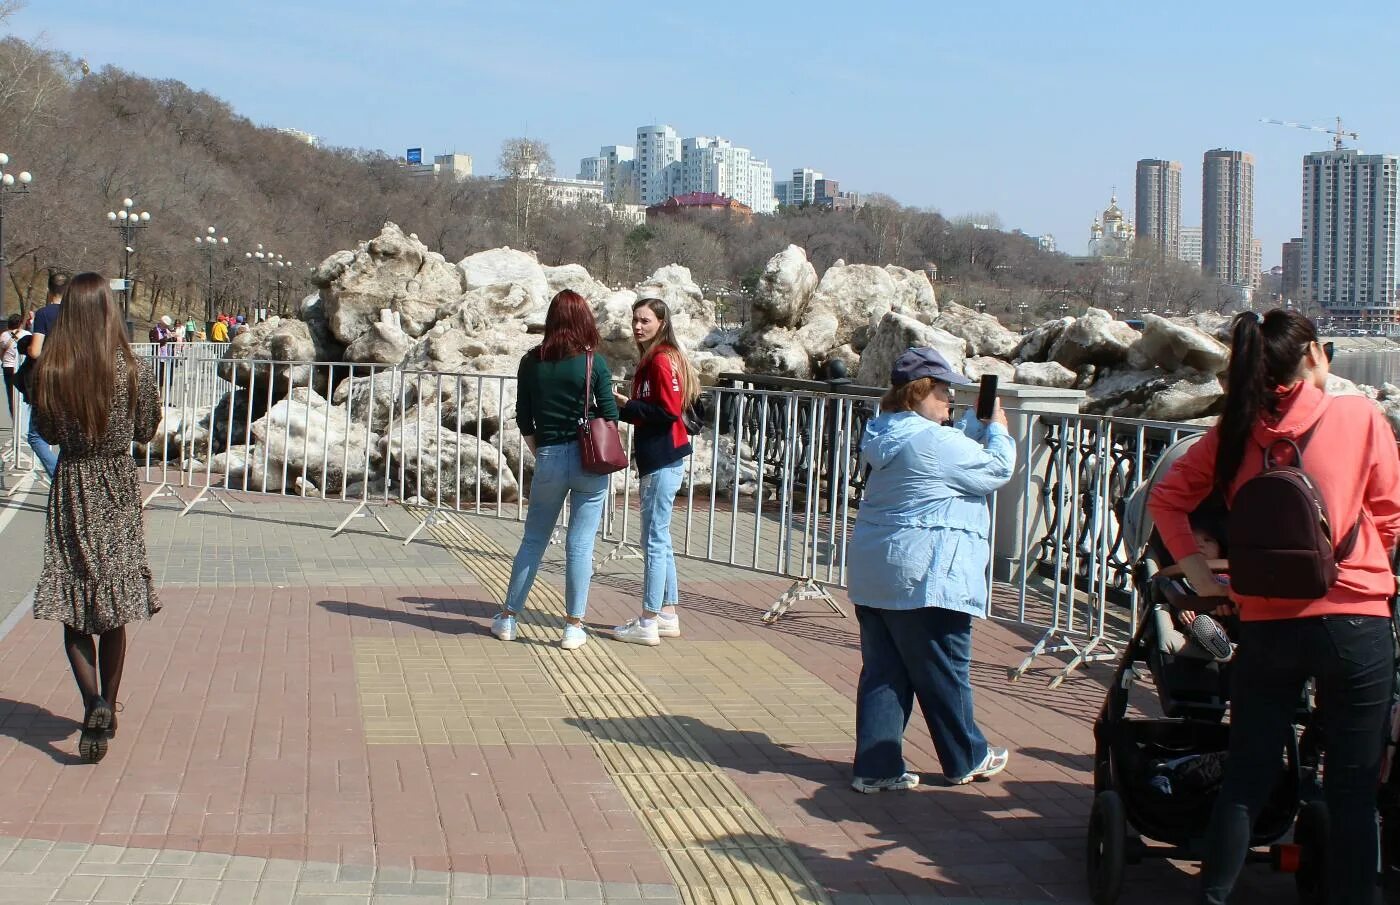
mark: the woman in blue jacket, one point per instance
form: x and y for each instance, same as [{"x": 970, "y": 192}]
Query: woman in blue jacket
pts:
[{"x": 918, "y": 563}]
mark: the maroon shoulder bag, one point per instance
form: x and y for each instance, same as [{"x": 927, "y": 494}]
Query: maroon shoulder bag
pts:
[{"x": 599, "y": 443}]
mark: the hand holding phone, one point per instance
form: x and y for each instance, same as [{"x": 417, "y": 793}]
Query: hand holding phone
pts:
[{"x": 987, "y": 398}]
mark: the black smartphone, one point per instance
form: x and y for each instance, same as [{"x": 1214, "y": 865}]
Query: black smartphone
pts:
[{"x": 987, "y": 397}]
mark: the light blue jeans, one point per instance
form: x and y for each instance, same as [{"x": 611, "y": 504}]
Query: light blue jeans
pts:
[
  {"x": 559, "y": 474},
  {"x": 659, "y": 491},
  {"x": 47, "y": 457}
]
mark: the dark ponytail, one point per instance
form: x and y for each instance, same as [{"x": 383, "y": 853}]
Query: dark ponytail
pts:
[{"x": 1265, "y": 354}]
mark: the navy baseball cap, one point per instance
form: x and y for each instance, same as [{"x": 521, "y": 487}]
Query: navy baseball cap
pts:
[{"x": 913, "y": 364}]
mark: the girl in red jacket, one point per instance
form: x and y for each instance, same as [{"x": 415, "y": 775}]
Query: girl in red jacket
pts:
[
  {"x": 1278, "y": 372},
  {"x": 665, "y": 384}
]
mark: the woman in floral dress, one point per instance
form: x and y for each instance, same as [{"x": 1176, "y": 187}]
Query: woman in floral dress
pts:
[{"x": 92, "y": 397}]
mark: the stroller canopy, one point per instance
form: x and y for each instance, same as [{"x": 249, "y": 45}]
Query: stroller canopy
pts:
[{"x": 1137, "y": 523}]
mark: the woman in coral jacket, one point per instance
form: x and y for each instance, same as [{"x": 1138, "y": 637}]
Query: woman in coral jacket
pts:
[
  {"x": 1278, "y": 372},
  {"x": 665, "y": 384}
]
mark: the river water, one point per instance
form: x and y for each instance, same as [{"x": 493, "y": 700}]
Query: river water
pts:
[{"x": 1371, "y": 368}]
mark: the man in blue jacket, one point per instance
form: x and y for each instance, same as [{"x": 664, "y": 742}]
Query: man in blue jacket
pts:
[{"x": 918, "y": 563}]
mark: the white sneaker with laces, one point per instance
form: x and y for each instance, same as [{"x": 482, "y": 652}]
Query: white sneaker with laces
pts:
[
  {"x": 635, "y": 632},
  {"x": 503, "y": 627},
  {"x": 574, "y": 637},
  {"x": 668, "y": 626}
]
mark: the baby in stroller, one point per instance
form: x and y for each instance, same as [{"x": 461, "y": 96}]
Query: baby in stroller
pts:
[{"x": 1215, "y": 631}]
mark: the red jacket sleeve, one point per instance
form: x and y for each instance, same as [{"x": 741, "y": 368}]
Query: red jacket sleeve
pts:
[
  {"x": 668, "y": 384},
  {"x": 656, "y": 393},
  {"x": 1178, "y": 493},
  {"x": 1382, "y": 492}
]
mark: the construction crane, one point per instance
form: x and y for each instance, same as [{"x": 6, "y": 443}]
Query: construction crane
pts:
[{"x": 1337, "y": 134}]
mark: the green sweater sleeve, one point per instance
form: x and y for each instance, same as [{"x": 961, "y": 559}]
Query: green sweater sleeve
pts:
[
  {"x": 525, "y": 395},
  {"x": 604, "y": 402}
]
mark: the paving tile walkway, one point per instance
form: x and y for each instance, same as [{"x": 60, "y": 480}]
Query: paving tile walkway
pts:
[{"x": 327, "y": 720}]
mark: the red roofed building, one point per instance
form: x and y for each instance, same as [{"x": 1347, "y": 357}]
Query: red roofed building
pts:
[{"x": 700, "y": 201}]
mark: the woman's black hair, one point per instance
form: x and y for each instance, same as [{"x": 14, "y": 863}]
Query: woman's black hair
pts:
[{"x": 1265, "y": 353}]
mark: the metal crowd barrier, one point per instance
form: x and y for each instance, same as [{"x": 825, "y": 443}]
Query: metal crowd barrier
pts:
[{"x": 774, "y": 484}]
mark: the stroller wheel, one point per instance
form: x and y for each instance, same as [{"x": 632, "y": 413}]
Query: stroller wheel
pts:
[
  {"x": 1107, "y": 848},
  {"x": 1310, "y": 835}
]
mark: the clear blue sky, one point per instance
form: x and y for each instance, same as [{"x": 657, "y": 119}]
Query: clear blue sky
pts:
[{"x": 1034, "y": 110}]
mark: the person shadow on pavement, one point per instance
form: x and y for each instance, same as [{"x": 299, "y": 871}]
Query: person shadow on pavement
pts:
[
  {"x": 1009, "y": 839},
  {"x": 40, "y": 729}
]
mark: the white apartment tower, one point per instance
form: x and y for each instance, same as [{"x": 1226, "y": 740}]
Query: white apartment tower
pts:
[
  {"x": 803, "y": 187},
  {"x": 658, "y": 165},
  {"x": 1190, "y": 245},
  {"x": 615, "y": 167},
  {"x": 1350, "y": 243},
  {"x": 717, "y": 165}
]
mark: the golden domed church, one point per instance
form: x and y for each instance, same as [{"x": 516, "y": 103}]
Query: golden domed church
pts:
[{"x": 1112, "y": 235}]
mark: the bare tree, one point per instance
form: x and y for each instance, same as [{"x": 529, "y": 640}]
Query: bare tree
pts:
[{"x": 524, "y": 163}]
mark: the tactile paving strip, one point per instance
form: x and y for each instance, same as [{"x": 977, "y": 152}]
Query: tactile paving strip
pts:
[
  {"x": 457, "y": 691},
  {"x": 720, "y": 848}
]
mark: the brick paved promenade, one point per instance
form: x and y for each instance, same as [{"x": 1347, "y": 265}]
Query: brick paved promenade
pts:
[{"x": 328, "y": 720}]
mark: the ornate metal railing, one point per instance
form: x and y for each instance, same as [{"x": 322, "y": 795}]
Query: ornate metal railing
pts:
[{"x": 1093, "y": 465}]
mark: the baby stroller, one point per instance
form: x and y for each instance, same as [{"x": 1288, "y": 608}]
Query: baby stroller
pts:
[{"x": 1156, "y": 778}]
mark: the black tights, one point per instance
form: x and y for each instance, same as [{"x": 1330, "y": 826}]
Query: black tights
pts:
[{"x": 90, "y": 661}]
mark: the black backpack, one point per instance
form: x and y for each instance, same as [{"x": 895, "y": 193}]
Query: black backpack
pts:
[{"x": 1280, "y": 532}]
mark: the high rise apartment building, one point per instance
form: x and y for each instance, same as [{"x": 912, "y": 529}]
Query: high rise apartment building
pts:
[
  {"x": 1190, "y": 245},
  {"x": 1349, "y": 243},
  {"x": 615, "y": 167},
  {"x": 802, "y": 189},
  {"x": 1158, "y": 206},
  {"x": 1292, "y": 282},
  {"x": 662, "y": 165},
  {"x": 1227, "y": 217},
  {"x": 658, "y": 167}
]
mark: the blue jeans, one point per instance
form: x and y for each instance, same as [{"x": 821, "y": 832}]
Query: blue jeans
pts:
[
  {"x": 1352, "y": 658},
  {"x": 924, "y": 653},
  {"x": 47, "y": 457},
  {"x": 559, "y": 474},
  {"x": 659, "y": 491}
]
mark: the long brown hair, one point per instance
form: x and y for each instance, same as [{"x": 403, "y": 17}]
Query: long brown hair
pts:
[
  {"x": 1265, "y": 354},
  {"x": 666, "y": 341},
  {"x": 75, "y": 376},
  {"x": 569, "y": 327}
]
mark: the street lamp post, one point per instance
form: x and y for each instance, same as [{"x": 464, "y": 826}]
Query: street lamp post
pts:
[
  {"x": 126, "y": 222},
  {"x": 261, "y": 258},
  {"x": 10, "y": 184},
  {"x": 207, "y": 243}
]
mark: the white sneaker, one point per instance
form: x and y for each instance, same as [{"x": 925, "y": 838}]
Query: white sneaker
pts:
[
  {"x": 668, "y": 626},
  {"x": 893, "y": 784},
  {"x": 991, "y": 765},
  {"x": 503, "y": 627},
  {"x": 635, "y": 633},
  {"x": 574, "y": 637}
]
